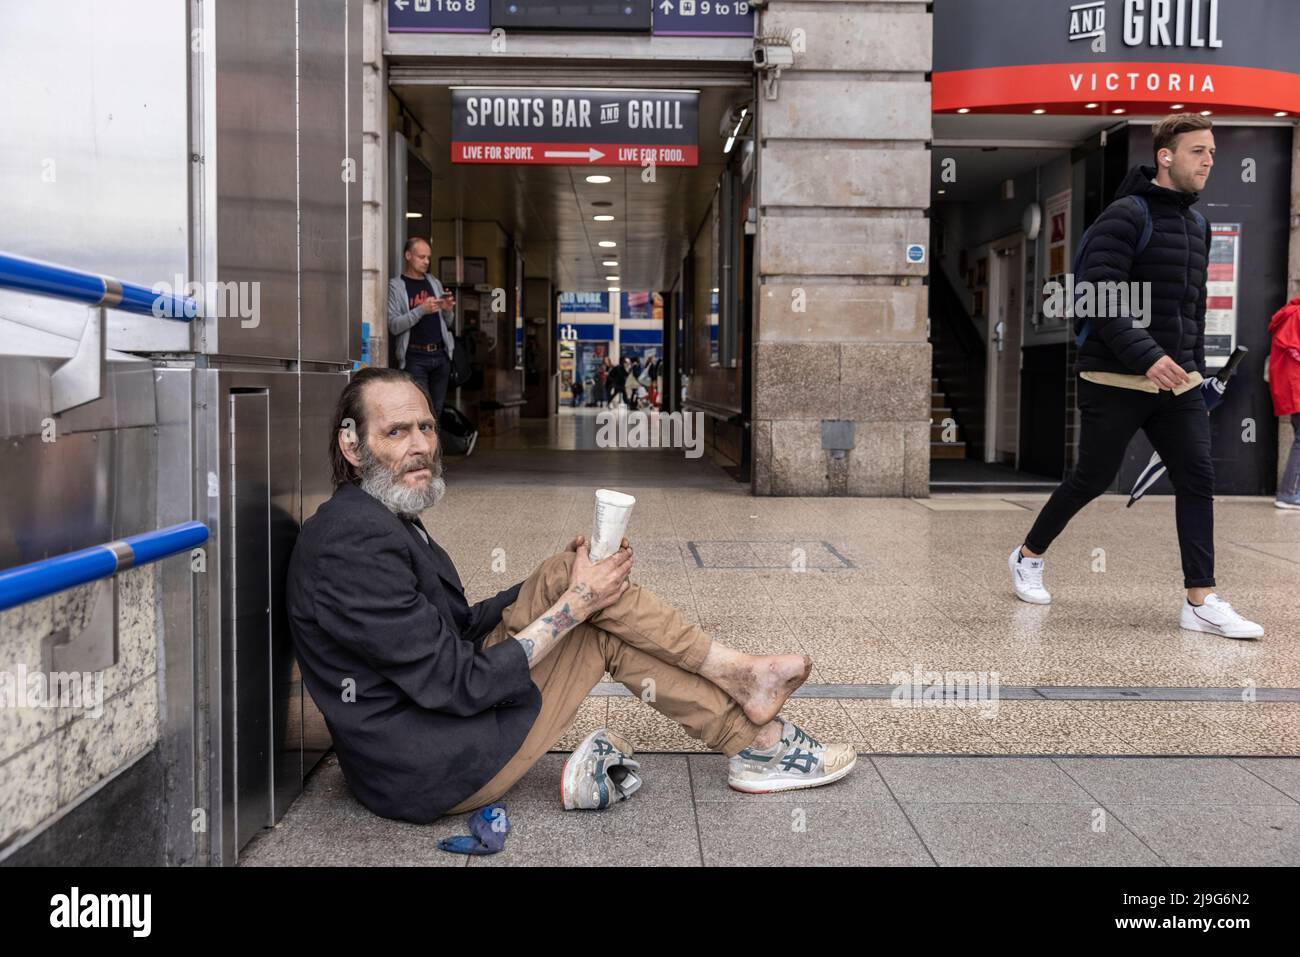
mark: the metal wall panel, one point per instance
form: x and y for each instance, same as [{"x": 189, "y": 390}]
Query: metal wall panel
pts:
[
  {"x": 324, "y": 195},
  {"x": 320, "y": 393},
  {"x": 98, "y": 182},
  {"x": 82, "y": 489},
  {"x": 257, "y": 231},
  {"x": 181, "y": 496},
  {"x": 353, "y": 70},
  {"x": 126, "y": 400},
  {"x": 285, "y": 520},
  {"x": 270, "y": 769},
  {"x": 246, "y": 614}
]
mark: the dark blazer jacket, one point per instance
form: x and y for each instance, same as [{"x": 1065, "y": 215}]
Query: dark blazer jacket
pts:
[{"x": 391, "y": 652}]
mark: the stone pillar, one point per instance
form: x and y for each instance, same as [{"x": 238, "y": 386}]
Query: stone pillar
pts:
[
  {"x": 844, "y": 182},
  {"x": 374, "y": 196}
]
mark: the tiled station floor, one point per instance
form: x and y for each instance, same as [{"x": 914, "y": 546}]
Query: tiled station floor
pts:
[
  {"x": 1184, "y": 745},
  {"x": 895, "y": 586}
]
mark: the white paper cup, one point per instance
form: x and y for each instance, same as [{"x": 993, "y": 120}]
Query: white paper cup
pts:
[{"x": 609, "y": 525}]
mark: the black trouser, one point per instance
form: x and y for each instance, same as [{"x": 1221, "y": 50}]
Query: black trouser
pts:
[
  {"x": 1179, "y": 430},
  {"x": 432, "y": 373}
]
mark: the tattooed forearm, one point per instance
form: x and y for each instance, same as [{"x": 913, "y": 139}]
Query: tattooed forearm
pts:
[
  {"x": 542, "y": 635},
  {"x": 561, "y": 621}
]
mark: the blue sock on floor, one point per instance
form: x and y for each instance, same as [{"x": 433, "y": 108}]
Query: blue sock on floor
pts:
[{"x": 488, "y": 829}]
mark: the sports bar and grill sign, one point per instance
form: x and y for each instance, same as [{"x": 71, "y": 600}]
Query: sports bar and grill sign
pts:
[{"x": 575, "y": 127}]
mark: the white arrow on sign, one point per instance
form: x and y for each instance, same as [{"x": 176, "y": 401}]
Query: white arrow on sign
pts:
[
  {"x": 590, "y": 155},
  {"x": 401, "y": 4},
  {"x": 666, "y": 6}
]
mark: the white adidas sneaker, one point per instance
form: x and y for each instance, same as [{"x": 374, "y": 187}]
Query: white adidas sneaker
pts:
[
  {"x": 1217, "y": 617},
  {"x": 1027, "y": 577}
]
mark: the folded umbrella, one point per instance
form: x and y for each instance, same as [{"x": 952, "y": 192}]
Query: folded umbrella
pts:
[{"x": 1213, "y": 389}]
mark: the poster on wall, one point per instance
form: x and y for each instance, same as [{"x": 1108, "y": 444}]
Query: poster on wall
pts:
[
  {"x": 1221, "y": 293},
  {"x": 1058, "y": 246}
]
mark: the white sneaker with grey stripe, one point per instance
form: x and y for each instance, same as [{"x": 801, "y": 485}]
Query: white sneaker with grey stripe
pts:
[{"x": 796, "y": 761}]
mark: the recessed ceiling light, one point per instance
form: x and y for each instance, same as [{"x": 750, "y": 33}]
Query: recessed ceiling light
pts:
[
  {"x": 1119, "y": 110},
  {"x": 609, "y": 262},
  {"x": 603, "y": 218},
  {"x": 611, "y": 279},
  {"x": 1207, "y": 112},
  {"x": 1090, "y": 106},
  {"x": 415, "y": 215},
  {"x": 1176, "y": 106},
  {"x": 1039, "y": 112},
  {"x": 607, "y": 244},
  {"x": 615, "y": 289},
  {"x": 597, "y": 178},
  {"x": 964, "y": 109}
]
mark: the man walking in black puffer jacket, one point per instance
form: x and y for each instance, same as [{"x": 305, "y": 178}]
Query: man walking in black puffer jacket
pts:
[{"x": 1144, "y": 372}]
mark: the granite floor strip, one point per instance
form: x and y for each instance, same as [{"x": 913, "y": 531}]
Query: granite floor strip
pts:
[{"x": 860, "y": 692}]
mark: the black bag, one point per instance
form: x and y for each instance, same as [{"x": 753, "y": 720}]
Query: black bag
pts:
[
  {"x": 455, "y": 431},
  {"x": 460, "y": 365}
]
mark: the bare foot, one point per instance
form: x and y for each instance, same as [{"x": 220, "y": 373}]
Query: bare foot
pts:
[{"x": 762, "y": 683}]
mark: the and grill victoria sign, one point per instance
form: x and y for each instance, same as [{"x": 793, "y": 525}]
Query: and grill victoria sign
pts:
[
  {"x": 1231, "y": 56},
  {"x": 1193, "y": 23}
]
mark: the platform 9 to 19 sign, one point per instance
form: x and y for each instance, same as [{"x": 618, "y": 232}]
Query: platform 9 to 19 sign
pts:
[{"x": 704, "y": 18}]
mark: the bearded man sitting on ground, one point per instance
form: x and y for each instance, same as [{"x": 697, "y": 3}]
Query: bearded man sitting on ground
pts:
[{"x": 437, "y": 706}]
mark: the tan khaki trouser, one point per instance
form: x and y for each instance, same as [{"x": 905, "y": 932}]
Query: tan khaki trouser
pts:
[{"x": 639, "y": 637}]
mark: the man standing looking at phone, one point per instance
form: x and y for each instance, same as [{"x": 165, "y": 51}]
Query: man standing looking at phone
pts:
[
  {"x": 420, "y": 315},
  {"x": 1146, "y": 373}
]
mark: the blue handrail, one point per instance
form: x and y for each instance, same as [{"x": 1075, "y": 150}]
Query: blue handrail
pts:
[
  {"x": 38, "y": 579},
  {"x": 48, "y": 279}
]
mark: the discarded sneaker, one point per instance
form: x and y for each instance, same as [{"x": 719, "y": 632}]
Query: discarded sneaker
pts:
[
  {"x": 796, "y": 761},
  {"x": 1217, "y": 617},
  {"x": 599, "y": 772}
]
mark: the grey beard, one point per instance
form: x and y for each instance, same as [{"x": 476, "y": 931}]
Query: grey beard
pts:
[{"x": 384, "y": 484}]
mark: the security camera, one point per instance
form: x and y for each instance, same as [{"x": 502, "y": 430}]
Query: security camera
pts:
[{"x": 769, "y": 55}]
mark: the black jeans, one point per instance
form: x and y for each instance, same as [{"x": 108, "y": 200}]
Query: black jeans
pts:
[
  {"x": 432, "y": 373},
  {"x": 1179, "y": 430}
]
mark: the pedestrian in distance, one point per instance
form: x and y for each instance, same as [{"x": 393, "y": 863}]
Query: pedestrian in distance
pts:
[
  {"x": 1284, "y": 383},
  {"x": 420, "y": 317}
]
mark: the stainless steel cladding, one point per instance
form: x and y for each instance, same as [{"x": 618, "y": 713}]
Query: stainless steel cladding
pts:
[
  {"x": 219, "y": 157},
  {"x": 288, "y": 184},
  {"x": 96, "y": 182},
  {"x": 256, "y": 175}
]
